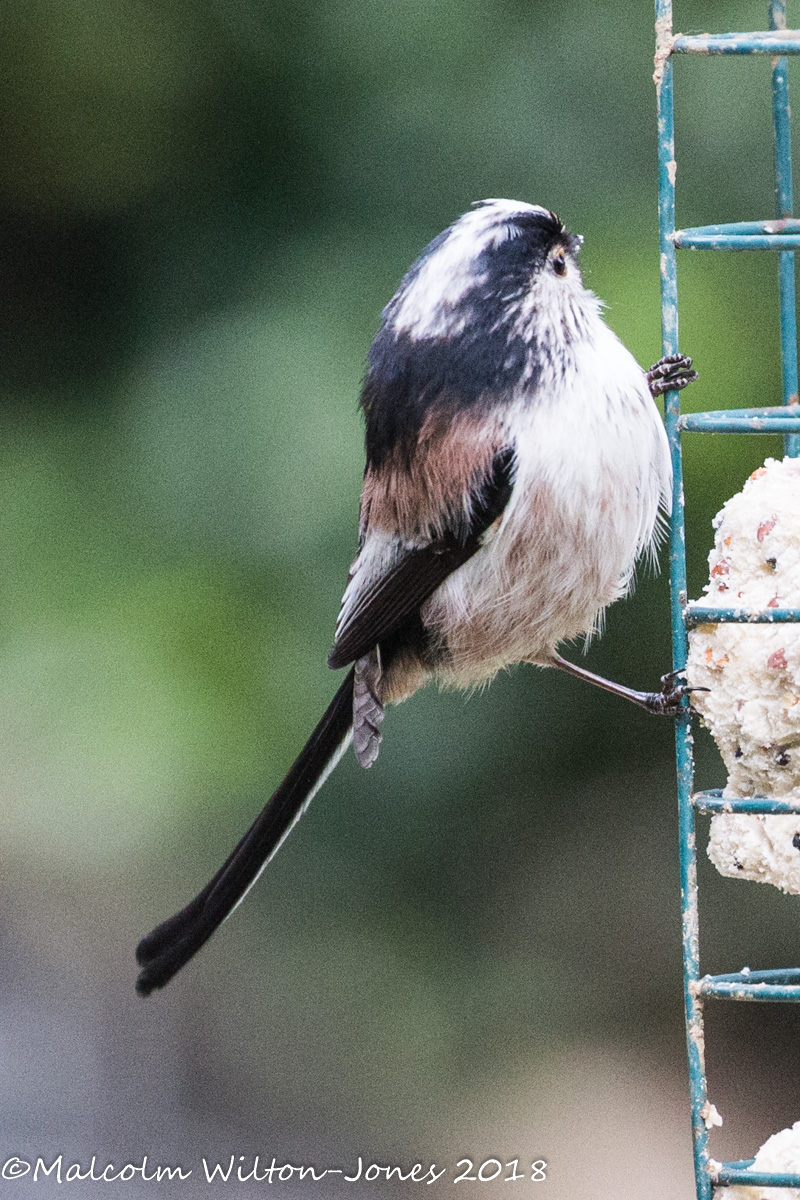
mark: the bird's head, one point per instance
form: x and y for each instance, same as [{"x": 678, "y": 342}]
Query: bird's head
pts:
[{"x": 476, "y": 275}]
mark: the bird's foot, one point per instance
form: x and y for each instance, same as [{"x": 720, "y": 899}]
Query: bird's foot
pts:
[
  {"x": 670, "y": 374},
  {"x": 668, "y": 702}
]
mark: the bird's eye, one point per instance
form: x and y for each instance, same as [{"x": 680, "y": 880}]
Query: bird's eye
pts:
[{"x": 560, "y": 262}]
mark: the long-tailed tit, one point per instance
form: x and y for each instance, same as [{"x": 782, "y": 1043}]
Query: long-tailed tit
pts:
[{"x": 517, "y": 468}]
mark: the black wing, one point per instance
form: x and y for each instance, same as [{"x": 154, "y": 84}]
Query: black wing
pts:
[{"x": 398, "y": 595}]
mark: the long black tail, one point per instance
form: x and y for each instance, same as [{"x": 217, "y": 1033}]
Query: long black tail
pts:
[{"x": 164, "y": 951}]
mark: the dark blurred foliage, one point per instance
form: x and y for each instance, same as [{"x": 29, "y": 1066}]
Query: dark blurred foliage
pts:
[{"x": 473, "y": 949}]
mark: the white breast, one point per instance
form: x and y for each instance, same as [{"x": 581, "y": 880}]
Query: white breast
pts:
[{"x": 593, "y": 468}]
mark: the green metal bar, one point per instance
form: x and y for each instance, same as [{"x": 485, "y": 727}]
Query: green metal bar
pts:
[
  {"x": 781, "y": 420},
  {"x": 783, "y": 187},
  {"x": 782, "y": 974},
  {"x": 730, "y": 1173},
  {"x": 764, "y": 992},
  {"x": 743, "y": 227},
  {"x": 736, "y": 241},
  {"x": 690, "y": 921},
  {"x": 775, "y": 411},
  {"x": 713, "y": 801},
  {"x": 707, "y": 614},
  {"x": 767, "y": 42}
]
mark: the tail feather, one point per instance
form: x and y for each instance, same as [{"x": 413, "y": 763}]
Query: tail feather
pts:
[{"x": 170, "y": 946}]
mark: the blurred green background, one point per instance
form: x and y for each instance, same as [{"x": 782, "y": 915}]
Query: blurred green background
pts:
[{"x": 473, "y": 950}]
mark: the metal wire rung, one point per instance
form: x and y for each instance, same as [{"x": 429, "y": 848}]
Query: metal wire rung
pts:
[
  {"x": 705, "y": 614},
  {"x": 718, "y": 988},
  {"x": 775, "y": 974},
  {"x": 735, "y": 1172},
  {"x": 741, "y": 228},
  {"x": 769, "y": 41},
  {"x": 713, "y": 801},
  {"x": 780, "y": 234},
  {"x": 781, "y": 985},
  {"x": 784, "y": 418}
]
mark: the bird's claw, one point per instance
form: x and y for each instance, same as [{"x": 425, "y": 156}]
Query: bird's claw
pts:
[
  {"x": 670, "y": 374},
  {"x": 668, "y": 702}
]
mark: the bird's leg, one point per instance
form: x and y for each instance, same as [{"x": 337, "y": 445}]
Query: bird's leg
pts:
[
  {"x": 670, "y": 374},
  {"x": 666, "y": 703}
]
